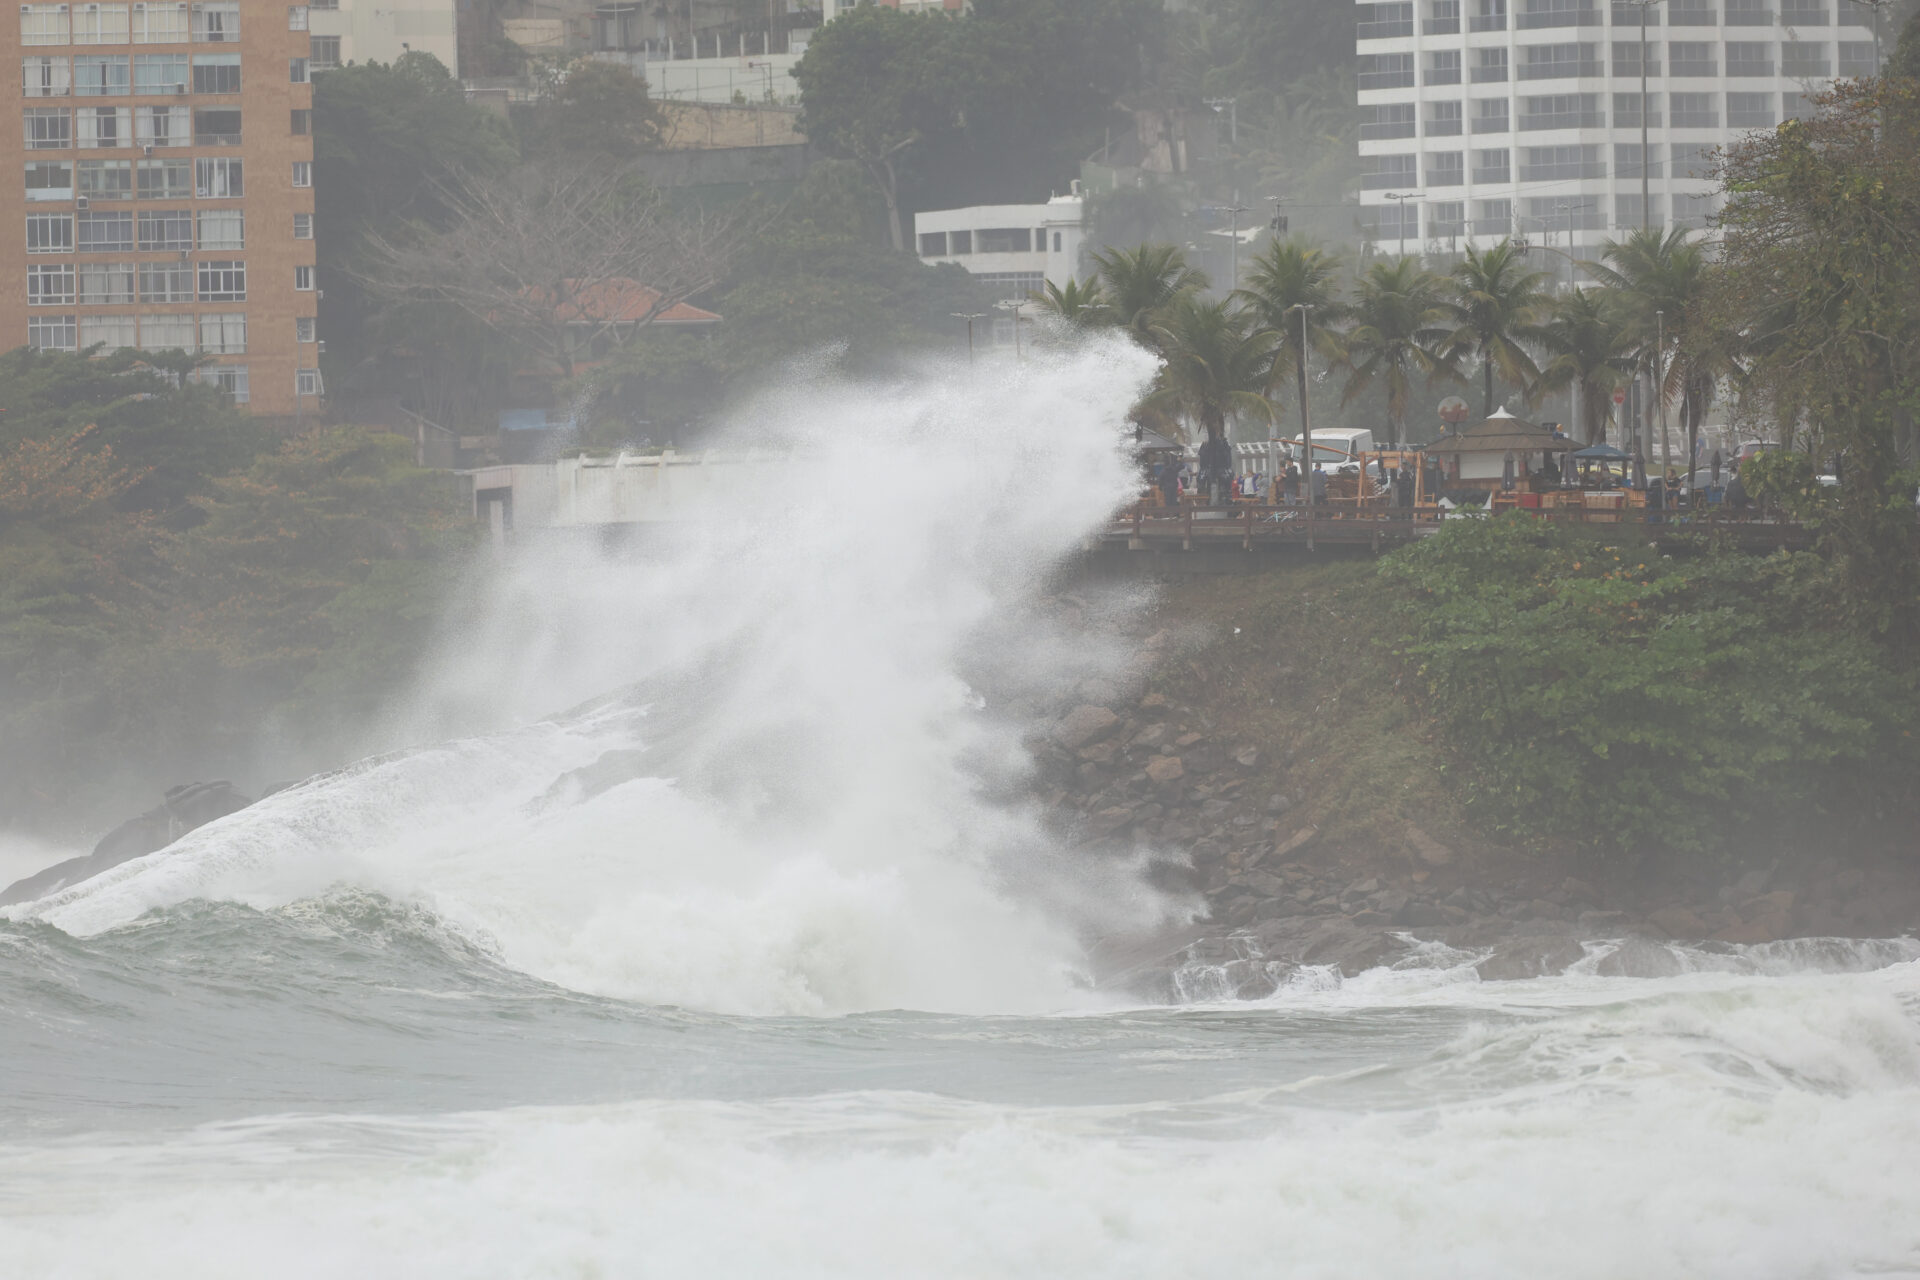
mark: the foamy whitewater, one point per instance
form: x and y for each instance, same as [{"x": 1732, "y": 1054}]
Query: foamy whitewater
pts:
[{"x": 704, "y": 932}]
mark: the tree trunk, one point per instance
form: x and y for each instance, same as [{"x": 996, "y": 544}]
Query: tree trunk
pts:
[
  {"x": 1487, "y": 372},
  {"x": 1300, "y": 375},
  {"x": 883, "y": 173}
]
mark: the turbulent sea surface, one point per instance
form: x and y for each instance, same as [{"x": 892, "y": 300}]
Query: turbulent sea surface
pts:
[{"x": 798, "y": 988}]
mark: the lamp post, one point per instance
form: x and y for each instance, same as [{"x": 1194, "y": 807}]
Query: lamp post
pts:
[
  {"x": 1279, "y": 224},
  {"x": 1013, "y": 305},
  {"x": 1874, "y": 7},
  {"x": 1233, "y": 272},
  {"x": 1646, "y": 165},
  {"x": 1659, "y": 379},
  {"x": 1403, "y": 197},
  {"x": 1306, "y": 418},
  {"x": 969, "y": 317}
]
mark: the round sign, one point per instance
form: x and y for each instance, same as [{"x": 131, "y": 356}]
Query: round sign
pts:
[
  {"x": 1619, "y": 395},
  {"x": 1453, "y": 409}
]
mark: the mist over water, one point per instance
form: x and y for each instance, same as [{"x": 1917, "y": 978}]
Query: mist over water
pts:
[{"x": 704, "y": 931}]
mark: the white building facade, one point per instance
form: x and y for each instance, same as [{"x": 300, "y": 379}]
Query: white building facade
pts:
[
  {"x": 345, "y": 31},
  {"x": 1014, "y": 248},
  {"x": 1488, "y": 118}
]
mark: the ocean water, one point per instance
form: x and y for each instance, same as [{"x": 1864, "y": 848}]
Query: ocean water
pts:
[{"x": 703, "y": 931}]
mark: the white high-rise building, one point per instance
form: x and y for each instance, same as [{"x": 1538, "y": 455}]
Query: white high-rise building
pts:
[{"x": 1486, "y": 118}]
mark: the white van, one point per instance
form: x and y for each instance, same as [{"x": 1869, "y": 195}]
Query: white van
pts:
[{"x": 1336, "y": 447}]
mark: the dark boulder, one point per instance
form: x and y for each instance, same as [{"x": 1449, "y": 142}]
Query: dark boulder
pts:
[{"x": 185, "y": 807}]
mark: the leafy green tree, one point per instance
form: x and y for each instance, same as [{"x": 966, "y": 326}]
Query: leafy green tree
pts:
[
  {"x": 1398, "y": 336},
  {"x": 596, "y": 109},
  {"x": 1496, "y": 305},
  {"x": 1590, "y": 345},
  {"x": 1285, "y": 276},
  {"x": 1661, "y": 279},
  {"x": 1140, "y": 283},
  {"x": 1215, "y": 364},
  {"x": 1076, "y": 305}
]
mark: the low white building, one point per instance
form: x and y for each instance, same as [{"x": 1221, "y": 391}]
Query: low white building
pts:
[
  {"x": 1013, "y": 248},
  {"x": 361, "y": 31}
]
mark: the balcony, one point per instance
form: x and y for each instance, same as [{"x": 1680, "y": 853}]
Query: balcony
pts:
[
  {"x": 1561, "y": 70},
  {"x": 1628, "y": 15},
  {"x": 1802, "y": 66},
  {"x": 1492, "y": 226},
  {"x": 1563, "y": 172},
  {"x": 1441, "y": 27},
  {"x": 1492, "y": 175},
  {"x": 1443, "y": 128},
  {"x": 1443, "y": 75},
  {"x": 1792, "y": 15},
  {"x": 1563, "y": 120},
  {"x": 1699, "y": 67},
  {"x": 1488, "y": 22},
  {"x": 1493, "y": 124},
  {"x": 1692, "y": 16},
  {"x": 1696, "y": 119},
  {"x": 1558, "y": 18},
  {"x": 1383, "y": 30},
  {"x": 1490, "y": 75},
  {"x": 1738, "y": 16},
  {"x": 1389, "y": 180},
  {"x": 216, "y": 139},
  {"x": 1387, "y": 129}
]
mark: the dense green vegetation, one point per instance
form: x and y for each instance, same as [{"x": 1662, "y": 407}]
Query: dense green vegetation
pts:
[
  {"x": 1636, "y": 702},
  {"x": 181, "y": 593}
]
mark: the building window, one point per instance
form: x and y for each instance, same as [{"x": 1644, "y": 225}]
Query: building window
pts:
[
  {"x": 1443, "y": 67},
  {"x": 50, "y": 284},
  {"x": 1009, "y": 285},
  {"x": 303, "y": 279},
  {"x": 1749, "y": 13},
  {"x": 1627, "y": 213},
  {"x": 323, "y": 53},
  {"x": 106, "y": 284},
  {"x": 306, "y": 382},
  {"x": 1626, "y": 110},
  {"x": 1386, "y": 172},
  {"x": 50, "y": 180},
  {"x": 296, "y": 17},
  {"x": 46, "y": 77},
  {"x": 223, "y": 281},
  {"x": 1801, "y": 60},
  {"x": 100, "y": 24},
  {"x": 160, "y": 73},
  {"x": 1626, "y": 161},
  {"x": 48, "y": 128},
  {"x": 166, "y": 282},
  {"x": 216, "y": 22},
  {"x": 1626, "y": 59},
  {"x": 162, "y": 127},
  {"x": 1559, "y": 61},
  {"x": 326, "y": 5},
  {"x": 164, "y": 179},
  {"x": 1379, "y": 21},
  {"x": 302, "y": 124},
  {"x": 1565, "y": 214},
  {"x": 1752, "y": 59},
  {"x": 101, "y": 75},
  {"x": 1446, "y": 168},
  {"x": 1444, "y": 120},
  {"x": 1447, "y": 218},
  {"x": 1750, "y": 110},
  {"x": 959, "y": 242},
  {"x": 1492, "y": 115},
  {"x": 1558, "y": 13},
  {"x": 43, "y": 24},
  {"x": 1493, "y": 166},
  {"x": 1389, "y": 120},
  {"x": 104, "y": 232},
  {"x": 104, "y": 127},
  {"x": 1806, "y": 13},
  {"x": 297, "y": 70},
  {"x": 223, "y": 229},
  {"x": 1693, "y": 111},
  {"x": 231, "y": 379},
  {"x": 52, "y": 333},
  {"x": 1490, "y": 66},
  {"x": 216, "y": 127},
  {"x": 1493, "y": 217},
  {"x": 1563, "y": 111},
  {"x": 109, "y": 332},
  {"x": 1386, "y": 71},
  {"x": 49, "y": 233},
  {"x": 1390, "y": 221},
  {"x": 303, "y": 177},
  {"x": 1692, "y": 210},
  {"x": 160, "y": 22},
  {"x": 306, "y": 329},
  {"x": 106, "y": 179},
  {"x": 1545, "y": 164},
  {"x": 1692, "y": 58},
  {"x": 216, "y": 73},
  {"x": 1691, "y": 13},
  {"x": 219, "y": 178},
  {"x": 166, "y": 333},
  {"x": 303, "y": 227},
  {"x": 224, "y": 333},
  {"x": 1856, "y": 58}
]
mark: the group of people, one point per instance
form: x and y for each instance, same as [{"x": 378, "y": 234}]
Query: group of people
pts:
[{"x": 1214, "y": 480}]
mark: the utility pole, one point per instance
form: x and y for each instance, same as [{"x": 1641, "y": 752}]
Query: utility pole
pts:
[
  {"x": 1874, "y": 7},
  {"x": 1403, "y": 197},
  {"x": 1279, "y": 224},
  {"x": 1013, "y": 305},
  {"x": 1233, "y": 274},
  {"x": 1659, "y": 379},
  {"x": 969, "y": 317}
]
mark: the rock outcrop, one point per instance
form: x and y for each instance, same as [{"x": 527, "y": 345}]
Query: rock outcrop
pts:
[{"x": 184, "y": 808}]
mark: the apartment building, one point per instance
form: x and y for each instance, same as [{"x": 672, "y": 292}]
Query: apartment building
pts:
[
  {"x": 161, "y": 171},
  {"x": 1487, "y": 118}
]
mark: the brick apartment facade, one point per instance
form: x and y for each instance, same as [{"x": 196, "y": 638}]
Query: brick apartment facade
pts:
[{"x": 159, "y": 171}]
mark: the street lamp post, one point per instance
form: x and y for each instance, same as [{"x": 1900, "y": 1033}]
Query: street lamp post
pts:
[
  {"x": 1013, "y": 305},
  {"x": 1646, "y": 165},
  {"x": 969, "y": 317},
  {"x": 1403, "y": 197},
  {"x": 1233, "y": 272},
  {"x": 1874, "y": 7},
  {"x": 1306, "y": 417},
  {"x": 1659, "y": 379}
]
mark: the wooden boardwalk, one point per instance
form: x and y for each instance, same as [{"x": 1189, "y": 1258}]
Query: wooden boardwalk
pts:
[{"x": 1255, "y": 528}]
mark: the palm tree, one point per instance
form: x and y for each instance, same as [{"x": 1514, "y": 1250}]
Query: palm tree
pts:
[
  {"x": 1216, "y": 361},
  {"x": 1661, "y": 278},
  {"x": 1287, "y": 275},
  {"x": 1497, "y": 301},
  {"x": 1591, "y": 343},
  {"x": 1139, "y": 283},
  {"x": 1399, "y": 333},
  {"x": 1077, "y": 305}
]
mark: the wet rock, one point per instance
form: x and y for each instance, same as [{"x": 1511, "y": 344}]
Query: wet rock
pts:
[
  {"x": 1678, "y": 922},
  {"x": 1390, "y": 903},
  {"x": 1108, "y": 821},
  {"x": 1247, "y": 758},
  {"x": 1165, "y": 769},
  {"x": 1429, "y": 915},
  {"x": 1427, "y": 849},
  {"x": 1529, "y": 958},
  {"x": 1294, "y": 843},
  {"x": 1278, "y": 804},
  {"x": 1083, "y": 725},
  {"x": 1099, "y": 752},
  {"x": 1151, "y": 738}
]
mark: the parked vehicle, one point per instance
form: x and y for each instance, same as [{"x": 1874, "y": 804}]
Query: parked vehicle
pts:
[{"x": 1339, "y": 448}]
